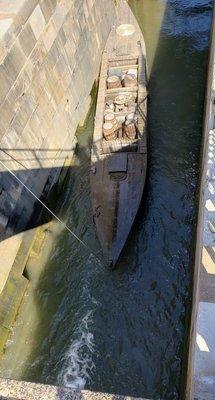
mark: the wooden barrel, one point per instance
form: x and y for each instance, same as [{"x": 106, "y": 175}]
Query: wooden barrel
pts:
[
  {"x": 131, "y": 117},
  {"x": 120, "y": 132},
  {"x": 120, "y": 99},
  {"x": 129, "y": 97},
  {"x": 132, "y": 109},
  {"x": 120, "y": 103},
  {"x": 121, "y": 119},
  {"x": 109, "y": 131},
  {"x": 129, "y": 80},
  {"x": 132, "y": 71},
  {"x": 110, "y": 117},
  {"x": 130, "y": 129},
  {"x": 113, "y": 82}
]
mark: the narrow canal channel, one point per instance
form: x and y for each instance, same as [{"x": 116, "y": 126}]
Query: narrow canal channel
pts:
[{"x": 125, "y": 331}]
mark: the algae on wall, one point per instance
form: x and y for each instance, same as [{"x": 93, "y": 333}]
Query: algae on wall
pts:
[{"x": 17, "y": 281}]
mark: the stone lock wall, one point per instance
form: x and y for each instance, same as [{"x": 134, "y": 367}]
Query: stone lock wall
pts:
[
  {"x": 50, "y": 54},
  {"x": 201, "y": 361}
]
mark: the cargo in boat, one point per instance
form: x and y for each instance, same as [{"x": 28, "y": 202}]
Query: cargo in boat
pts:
[{"x": 119, "y": 149}]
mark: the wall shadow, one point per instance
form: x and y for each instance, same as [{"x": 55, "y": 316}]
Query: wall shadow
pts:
[{"x": 19, "y": 210}]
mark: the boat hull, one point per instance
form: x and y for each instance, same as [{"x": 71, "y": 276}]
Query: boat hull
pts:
[
  {"x": 116, "y": 198},
  {"x": 118, "y": 166}
]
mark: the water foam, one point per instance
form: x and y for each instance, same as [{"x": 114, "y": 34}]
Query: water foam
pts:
[{"x": 78, "y": 359}]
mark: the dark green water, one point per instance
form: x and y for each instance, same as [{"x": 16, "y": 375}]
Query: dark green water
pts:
[{"x": 125, "y": 331}]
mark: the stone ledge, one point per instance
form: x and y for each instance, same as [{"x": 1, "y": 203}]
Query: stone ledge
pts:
[{"x": 10, "y": 389}]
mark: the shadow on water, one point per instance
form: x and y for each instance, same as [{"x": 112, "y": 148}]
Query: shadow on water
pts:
[{"x": 125, "y": 332}]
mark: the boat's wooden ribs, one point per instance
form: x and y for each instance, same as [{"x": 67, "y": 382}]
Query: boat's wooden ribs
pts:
[
  {"x": 119, "y": 145},
  {"x": 127, "y": 62}
]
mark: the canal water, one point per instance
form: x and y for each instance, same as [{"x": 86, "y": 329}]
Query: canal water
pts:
[{"x": 125, "y": 331}]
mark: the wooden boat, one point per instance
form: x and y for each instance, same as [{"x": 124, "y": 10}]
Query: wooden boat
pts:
[{"x": 119, "y": 159}]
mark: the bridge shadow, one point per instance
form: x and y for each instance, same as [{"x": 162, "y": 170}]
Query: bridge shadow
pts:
[{"x": 129, "y": 327}]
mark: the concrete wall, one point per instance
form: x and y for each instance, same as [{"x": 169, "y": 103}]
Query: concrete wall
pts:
[{"x": 201, "y": 361}]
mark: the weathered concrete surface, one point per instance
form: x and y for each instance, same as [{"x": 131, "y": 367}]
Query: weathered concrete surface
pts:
[
  {"x": 201, "y": 368},
  {"x": 32, "y": 391},
  {"x": 8, "y": 255}
]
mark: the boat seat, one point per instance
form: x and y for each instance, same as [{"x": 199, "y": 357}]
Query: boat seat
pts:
[{"x": 117, "y": 162}]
